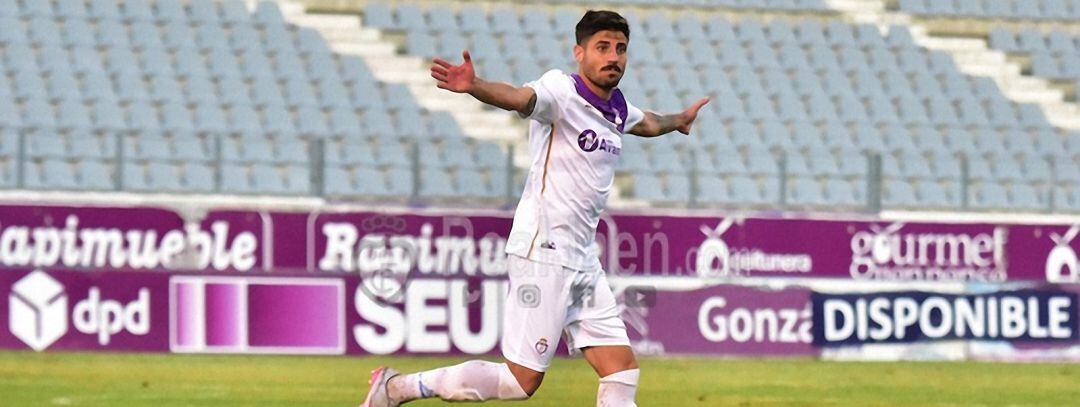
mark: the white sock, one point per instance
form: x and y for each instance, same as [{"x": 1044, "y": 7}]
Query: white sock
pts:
[
  {"x": 618, "y": 389},
  {"x": 475, "y": 380}
]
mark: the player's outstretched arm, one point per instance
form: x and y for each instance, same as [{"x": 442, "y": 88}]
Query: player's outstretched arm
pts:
[
  {"x": 462, "y": 79},
  {"x": 656, "y": 124}
]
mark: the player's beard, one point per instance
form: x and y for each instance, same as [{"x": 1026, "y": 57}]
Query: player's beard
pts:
[{"x": 605, "y": 80}]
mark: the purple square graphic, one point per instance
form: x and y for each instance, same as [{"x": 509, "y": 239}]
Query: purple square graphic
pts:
[
  {"x": 299, "y": 316},
  {"x": 224, "y": 318},
  {"x": 188, "y": 314}
]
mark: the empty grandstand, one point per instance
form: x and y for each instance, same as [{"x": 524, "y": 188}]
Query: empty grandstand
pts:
[{"x": 812, "y": 109}]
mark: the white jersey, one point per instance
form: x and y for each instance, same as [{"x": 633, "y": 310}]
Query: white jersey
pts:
[{"x": 574, "y": 140}]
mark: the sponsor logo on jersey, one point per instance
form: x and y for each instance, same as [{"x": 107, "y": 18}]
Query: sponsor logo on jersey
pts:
[{"x": 541, "y": 346}]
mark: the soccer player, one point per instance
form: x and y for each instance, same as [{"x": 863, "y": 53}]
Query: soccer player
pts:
[{"x": 556, "y": 284}]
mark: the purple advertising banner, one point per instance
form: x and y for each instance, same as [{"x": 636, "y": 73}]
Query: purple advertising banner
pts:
[
  {"x": 860, "y": 250},
  {"x": 767, "y": 247},
  {"x": 158, "y": 312},
  {"x": 721, "y": 320},
  {"x": 417, "y": 243},
  {"x": 130, "y": 238},
  {"x": 67, "y": 310},
  {"x": 641, "y": 244},
  {"x": 433, "y": 315}
]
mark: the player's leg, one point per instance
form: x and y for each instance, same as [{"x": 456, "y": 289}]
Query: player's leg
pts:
[
  {"x": 534, "y": 316},
  {"x": 619, "y": 374},
  {"x": 528, "y": 379},
  {"x": 533, "y": 319},
  {"x": 608, "y": 360},
  {"x": 474, "y": 380},
  {"x": 597, "y": 330}
]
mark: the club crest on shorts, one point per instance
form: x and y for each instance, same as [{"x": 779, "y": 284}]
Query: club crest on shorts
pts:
[{"x": 541, "y": 346}]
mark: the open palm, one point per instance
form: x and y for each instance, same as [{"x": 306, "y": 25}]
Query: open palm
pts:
[
  {"x": 687, "y": 117},
  {"x": 454, "y": 78}
]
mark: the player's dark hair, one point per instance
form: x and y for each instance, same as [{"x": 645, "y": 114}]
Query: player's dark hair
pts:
[{"x": 595, "y": 21}]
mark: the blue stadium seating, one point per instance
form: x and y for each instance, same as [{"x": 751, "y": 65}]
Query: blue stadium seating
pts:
[{"x": 813, "y": 93}]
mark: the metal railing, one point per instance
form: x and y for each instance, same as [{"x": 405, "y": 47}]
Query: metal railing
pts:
[{"x": 872, "y": 180}]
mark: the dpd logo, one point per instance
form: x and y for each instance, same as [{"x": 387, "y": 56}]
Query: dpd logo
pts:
[
  {"x": 38, "y": 313},
  {"x": 38, "y": 310}
]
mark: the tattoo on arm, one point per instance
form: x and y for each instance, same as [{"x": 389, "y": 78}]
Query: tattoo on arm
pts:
[
  {"x": 659, "y": 124},
  {"x": 528, "y": 109},
  {"x": 666, "y": 122}
]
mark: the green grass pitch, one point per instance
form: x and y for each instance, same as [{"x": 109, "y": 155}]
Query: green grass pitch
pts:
[{"x": 82, "y": 379}]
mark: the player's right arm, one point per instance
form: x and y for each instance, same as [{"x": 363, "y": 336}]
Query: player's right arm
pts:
[{"x": 462, "y": 79}]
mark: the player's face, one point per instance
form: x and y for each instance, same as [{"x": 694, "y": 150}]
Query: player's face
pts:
[{"x": 603, "y": 58}]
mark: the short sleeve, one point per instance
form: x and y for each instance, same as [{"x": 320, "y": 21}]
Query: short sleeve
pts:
[
  {"x": 548, "y": 90},
  {"x": 633, "y": 117}
]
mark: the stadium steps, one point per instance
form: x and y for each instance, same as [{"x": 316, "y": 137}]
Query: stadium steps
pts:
[
  {"x": 859, "y": 11},
  {"x": 973, "y": 56},
  {"x": 347, "y": 35}
]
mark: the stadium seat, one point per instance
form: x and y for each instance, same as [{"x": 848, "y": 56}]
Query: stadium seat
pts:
[
  {"x": 311, "y": 122},
  {"x": 393, "y": 154},
  {"x": 235, "y": 13},
  {"x": 268, "y": 179},
  {"x": 436, "y": 183},
  {"x": 931, "y": 194},
  {"x": 103, "y": 10},
  {"x": 165, "y": 89},
  {"x": 474, "y": 19},
  {"x": 162, "y": 177},
  {"x": 378, "y": 15},
  {"x": 9, "y": 143},
  {"x": 989, "y": 195},
  {"x": 267, "y": 14},
  {"x": 409, "y": 17},
  {"x": 537, "y": 23},
  {"x": 203, "y": 12}
]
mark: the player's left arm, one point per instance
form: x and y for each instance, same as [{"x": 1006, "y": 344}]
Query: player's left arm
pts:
[{"x": 654, "y": 124}]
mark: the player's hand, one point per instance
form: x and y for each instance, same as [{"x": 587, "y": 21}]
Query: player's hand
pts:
[
  {"x": 454, "y": 78},
  {"x": 687, "y": 117}
]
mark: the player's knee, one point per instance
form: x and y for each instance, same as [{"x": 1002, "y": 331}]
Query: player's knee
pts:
[
  {"x": 628, "y": 364},
  {"x": 531, "y": 384},
  {"x": 528, "y": 379},
  {"x": 616, "y": 365}
]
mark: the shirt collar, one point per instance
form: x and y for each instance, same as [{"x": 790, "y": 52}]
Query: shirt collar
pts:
[{"x": 614, "y": 107}]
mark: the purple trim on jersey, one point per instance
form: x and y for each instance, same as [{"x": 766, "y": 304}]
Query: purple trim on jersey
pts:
[{"x": 616, "y": 105}]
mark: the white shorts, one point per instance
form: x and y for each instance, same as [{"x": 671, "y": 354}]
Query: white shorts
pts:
[{"x": 548, "y": 300}]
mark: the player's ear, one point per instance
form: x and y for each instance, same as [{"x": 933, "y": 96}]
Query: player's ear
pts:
[{"x": 579, "y": 53}]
